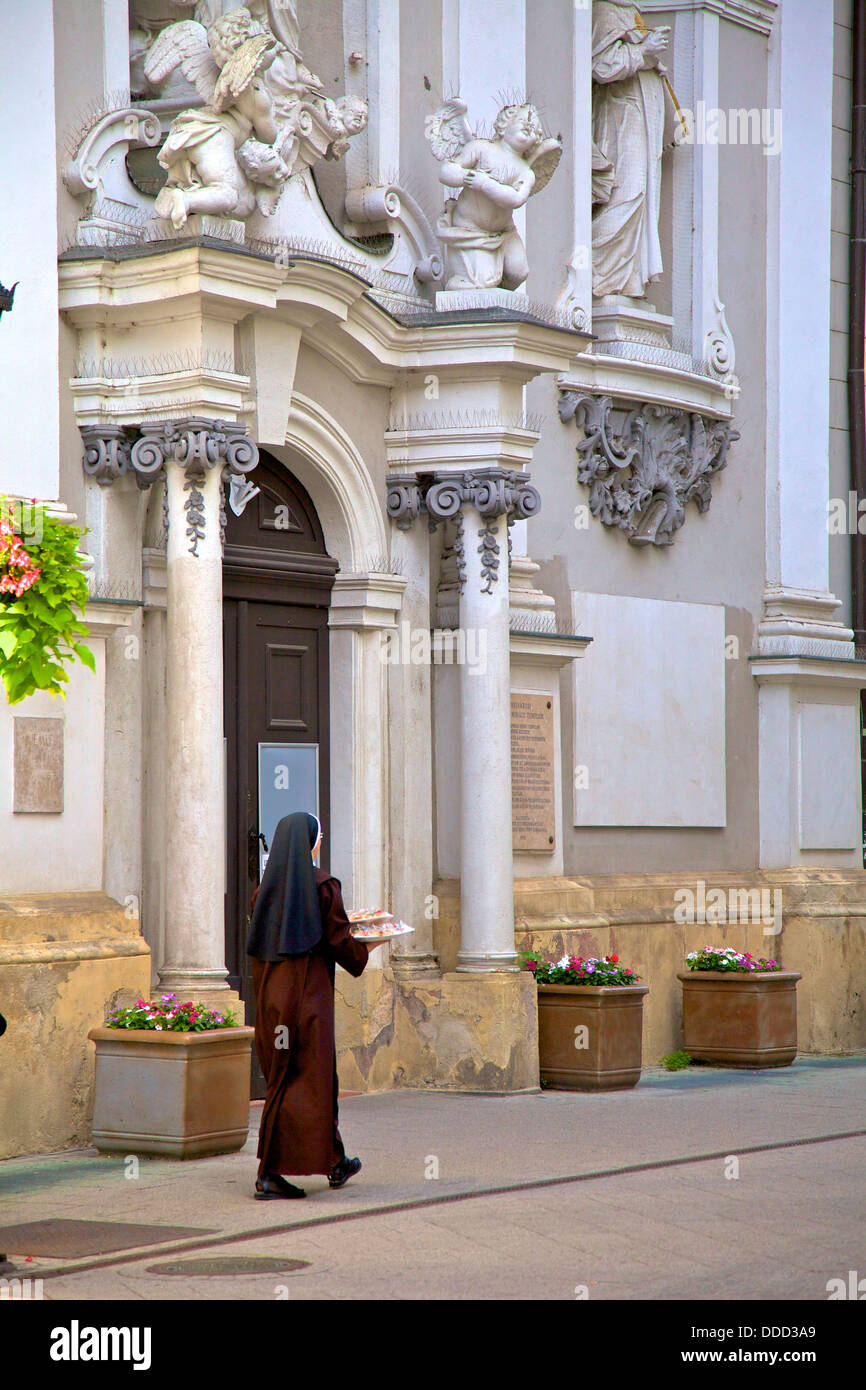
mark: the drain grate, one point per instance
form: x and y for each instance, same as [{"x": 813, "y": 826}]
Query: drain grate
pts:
[
  {"x": 59, "y": 1237},
  {"x": 229, "y": 1264}
]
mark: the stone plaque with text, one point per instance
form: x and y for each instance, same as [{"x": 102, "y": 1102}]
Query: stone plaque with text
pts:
[
  {"x": 38, "y": 765},
  {"x": 533, "y": 789}
]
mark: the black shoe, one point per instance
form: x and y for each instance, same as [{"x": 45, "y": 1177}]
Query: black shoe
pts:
[
  {"x": 272, "y": 1186},
  {"x": 345, "y": 1169}
]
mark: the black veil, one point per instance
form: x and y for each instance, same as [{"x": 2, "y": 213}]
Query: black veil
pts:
[{"x": 286, "y": 920}]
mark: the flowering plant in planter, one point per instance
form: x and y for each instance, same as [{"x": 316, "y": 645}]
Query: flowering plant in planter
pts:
[
  {"x": 171, "y": 1079},
  {"x": 716, "y": 958},
  {"x": 43, "y": 593},
  {"x": 166, "y": 1016},
  {"x": 579, "y": 970},
  {"x": 590, "y": 1019}
]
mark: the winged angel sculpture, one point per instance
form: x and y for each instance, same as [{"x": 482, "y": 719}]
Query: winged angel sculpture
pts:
[
  {"x": 483, "y": 248},
  {"x": 264, "y": 114},
  {"x": 225, "y": 63}
]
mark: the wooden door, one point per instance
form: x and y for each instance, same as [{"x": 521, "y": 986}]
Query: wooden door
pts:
[{"x": 277, "y": 579}]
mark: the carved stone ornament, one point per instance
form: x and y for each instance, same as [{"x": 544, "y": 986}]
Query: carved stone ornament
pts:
[
  {"x": 195, "y": 444},
  {"x": 442, "y": 496},
  {"x": 643, "y": 463}
]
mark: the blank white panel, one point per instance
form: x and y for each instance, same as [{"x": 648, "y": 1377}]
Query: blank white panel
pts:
[
  {"x": 649, "y": 712},
  {"x": 829, "y": 795}
]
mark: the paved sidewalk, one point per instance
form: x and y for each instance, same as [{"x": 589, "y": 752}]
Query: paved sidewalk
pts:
[{"x": 621, "y": 1196}]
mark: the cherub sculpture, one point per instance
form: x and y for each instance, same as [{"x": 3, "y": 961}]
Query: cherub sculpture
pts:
[
  {"x": 483, "y": 249},
  {"x": 225, "y": 62}
]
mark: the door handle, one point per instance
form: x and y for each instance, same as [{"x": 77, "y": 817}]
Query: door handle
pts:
[{"x": 253, "y": 837}]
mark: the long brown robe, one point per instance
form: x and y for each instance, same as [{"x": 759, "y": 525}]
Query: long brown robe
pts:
[{"x": 299, "y": 1132}]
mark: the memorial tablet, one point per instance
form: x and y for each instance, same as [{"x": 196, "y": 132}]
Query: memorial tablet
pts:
[
  {"x": 38, "y": 765},
  {"x": 533, "y": 787}
]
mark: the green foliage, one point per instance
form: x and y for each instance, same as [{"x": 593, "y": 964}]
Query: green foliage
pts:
[
  {"x": 39, "y": 627},
  {"x": 676, "y": 1061}
]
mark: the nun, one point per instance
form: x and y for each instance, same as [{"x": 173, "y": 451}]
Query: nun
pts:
[{"x": 298, "y": 931}]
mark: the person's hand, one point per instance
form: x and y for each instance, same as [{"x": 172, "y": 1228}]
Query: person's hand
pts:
[{"x": 655, "y": 44}]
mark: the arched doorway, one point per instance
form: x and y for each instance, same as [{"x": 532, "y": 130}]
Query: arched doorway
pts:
[{"x": 277, "y": 581}]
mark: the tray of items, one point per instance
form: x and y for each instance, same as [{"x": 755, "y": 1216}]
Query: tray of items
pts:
[{"x": 377, "y": 925}]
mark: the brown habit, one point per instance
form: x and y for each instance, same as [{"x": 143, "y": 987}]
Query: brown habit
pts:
[{"x": 299, "y": 1131}]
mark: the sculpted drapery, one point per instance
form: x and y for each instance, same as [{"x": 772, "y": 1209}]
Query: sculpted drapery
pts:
[{"x": 628, "y": 128}]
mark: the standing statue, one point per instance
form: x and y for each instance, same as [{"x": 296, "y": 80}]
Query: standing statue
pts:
[
  {"x": 483, "y": 249},
  {"x": 628, "y": 115}
]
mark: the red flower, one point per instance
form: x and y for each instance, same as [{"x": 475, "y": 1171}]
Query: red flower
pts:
[
  {"x": 532, "y": 965},
  {"x": 613, "y": 959}
]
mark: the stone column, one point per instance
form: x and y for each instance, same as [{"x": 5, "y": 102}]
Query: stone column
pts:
[
  {"x": 480, "y": 502},
  {"x": 194, "y": 453}
]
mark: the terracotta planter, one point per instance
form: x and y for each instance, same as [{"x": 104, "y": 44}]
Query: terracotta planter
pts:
[
  {"x": 182, "y": 1095},
  {"x": 739, "y": 1019},
  {"x": 604, "y": 1057}
]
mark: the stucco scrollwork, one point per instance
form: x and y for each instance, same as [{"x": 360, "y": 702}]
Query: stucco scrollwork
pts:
[{"x": 644, "y": 463}]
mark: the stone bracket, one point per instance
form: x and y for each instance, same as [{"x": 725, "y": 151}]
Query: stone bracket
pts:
[
  {"x": 131, "y": 127},
  {"x": 643, "y": 462}
]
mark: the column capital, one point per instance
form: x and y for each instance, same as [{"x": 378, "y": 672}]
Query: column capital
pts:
[
  {"x": 442, "y": 495},
  {"x": 195, "y": 443},
  {"x": 106, "y": 451}
]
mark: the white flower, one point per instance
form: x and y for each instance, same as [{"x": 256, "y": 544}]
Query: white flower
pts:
[{"x": 564, "y": 963}]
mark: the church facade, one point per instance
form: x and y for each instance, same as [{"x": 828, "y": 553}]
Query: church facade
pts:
[{"x": 453, "y": 397}]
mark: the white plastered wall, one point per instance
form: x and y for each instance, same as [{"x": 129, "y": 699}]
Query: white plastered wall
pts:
[{"x": 60, "y": 851}]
